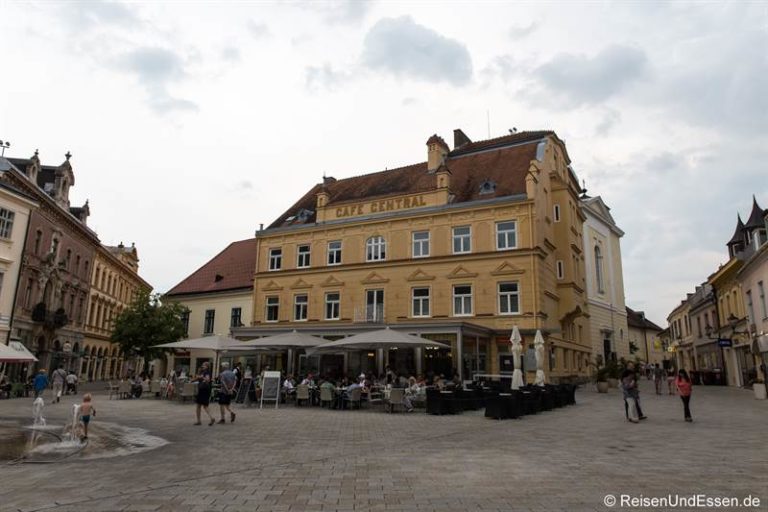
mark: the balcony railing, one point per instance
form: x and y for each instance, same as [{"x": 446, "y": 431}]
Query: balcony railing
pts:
[{"x": 369, "y": 314}]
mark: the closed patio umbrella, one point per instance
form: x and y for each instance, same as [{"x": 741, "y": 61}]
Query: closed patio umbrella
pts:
[{"x": 517, "y": 348}]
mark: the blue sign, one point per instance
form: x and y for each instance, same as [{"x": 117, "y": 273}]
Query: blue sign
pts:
[{"x": 724, "y": 342}]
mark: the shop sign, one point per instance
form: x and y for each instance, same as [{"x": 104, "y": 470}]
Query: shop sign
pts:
[{"x": 724, "y": 342}]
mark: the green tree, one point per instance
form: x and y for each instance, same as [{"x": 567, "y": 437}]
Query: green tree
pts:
[{"x": 148, "y": 322}]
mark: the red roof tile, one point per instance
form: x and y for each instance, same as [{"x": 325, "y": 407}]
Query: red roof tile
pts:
[
  {"x": 231, "y": 269},
  {"x": 503, "y": 161}
]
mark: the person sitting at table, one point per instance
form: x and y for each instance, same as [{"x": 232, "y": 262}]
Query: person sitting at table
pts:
[
  {"x": 346, "y": 394},
  {"x": 5, "y": 386},
  {"x": 440, "y": 382},
  {"x": 411, "y": 394},
  {"x": 309, "y": 380},
  {"x": 289, "y": 387},
  {"x": 136, "y": 387}
]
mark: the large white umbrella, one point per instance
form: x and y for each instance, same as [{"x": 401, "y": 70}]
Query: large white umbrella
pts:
[
  {"x": 293, "y": 339},
  {"x": 15, "y": 353},
  {"x": 517, "y": 349},
  {"x": 218, "y": 344},
  {"x": 538, "y": 344},
  {"x": 372, "y": 340}
]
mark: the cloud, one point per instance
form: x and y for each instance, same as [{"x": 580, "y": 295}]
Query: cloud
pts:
[
  {"x": 257, "y": 29},
  {"x": 155, "y": 68},
  {"x": 94, "y": 13},
  {"x": 324, "y": 77},
  {"x": 521, "y": 31},
  {"x": 230, "y": 54},
  {"x": 340, "y": 11},
  {"x": 610, "y": 119},
  {"x": 581, "y": 79},
  {"x": 406, "y": 49}
]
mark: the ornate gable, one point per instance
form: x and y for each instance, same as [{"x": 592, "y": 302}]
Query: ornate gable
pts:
[
  {"x": 300, "y": 283},
  {"x": 271, "y": 286},
  {"x": 374, "y": 278},
  {"x": 419, "y": 275},
  {"x": 332, "y": 281},
  {"x": 507, "y": 268},
  {"x": 461, "y": 272}
]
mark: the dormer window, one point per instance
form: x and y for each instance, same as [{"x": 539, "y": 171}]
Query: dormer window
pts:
[
  {"x": 487, "y": 187},
  {"x": 304, "y": 215}
]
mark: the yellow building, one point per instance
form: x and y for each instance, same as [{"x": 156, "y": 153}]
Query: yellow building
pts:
[
  {"x": 682, "y": 337},
  {"x": 114, "y": 283},
  {"x": 458, "y": 249},
  {"x": 219, "y": 297},
  {"x": 644, "y": 335}
]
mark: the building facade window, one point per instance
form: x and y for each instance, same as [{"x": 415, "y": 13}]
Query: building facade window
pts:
[
  {"x": 599, "y": 270},
  {"x": 420, "y": 244},
  {"x": 761, "y": 293},
  {"x": 184, "y": 321},
  {"x": 28, "y": 293},
  {"x": 374, "y": 305},
  {"x": 375, "y": 249},
  {"x": 275, "y": 259},
  {"x": 210, "y": 320},
  {"x": 6, "y": 223},
  {"x": 54, "y": 246},
  {"x": 557, "y": 213},
  {"x": 38, "y": 240},
  {"x": 462, "y": 239},
  {"x": 332, "y": 306},
  {"x": 300, "y": 307},
  {"x": 420, "y": 301},
  {"x": 506, "y": 235},
  {"x": 236, "y": 317},
  {"x": 462, "y": 300},
  {"x": 273, "y": 309},
  {"x": 334, "y": 252},
  {"x": 509, "y": 299},
  {"x": 560, "y": 269},
  {"x": 303, "y": 256}
]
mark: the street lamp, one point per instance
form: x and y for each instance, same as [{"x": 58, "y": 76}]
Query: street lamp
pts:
[
  {"x": 3, "y": 146},
  {"x": 67, "y": 349}
]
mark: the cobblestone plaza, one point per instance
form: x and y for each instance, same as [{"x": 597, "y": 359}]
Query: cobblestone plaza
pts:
[{"x": 312, "y": 459}]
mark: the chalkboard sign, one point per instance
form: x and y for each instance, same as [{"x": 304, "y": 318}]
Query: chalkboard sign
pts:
[
  {"x": 506, "y": 363},
  {"x": 529, "y": 361},
  {"x": 242, "y": 391},
  {"x": 270, "y": 388}
]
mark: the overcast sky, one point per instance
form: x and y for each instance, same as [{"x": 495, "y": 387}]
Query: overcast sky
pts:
[{"x": 190, "y": 124}]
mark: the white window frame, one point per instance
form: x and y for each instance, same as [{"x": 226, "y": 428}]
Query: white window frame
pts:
[
  {"x": 463, "y": 297},
  {"x": 421, "y": 300},
  {"x": 376, "y": 248},
  {"x": 331, "y": 303},
  {"x": 599, "y": 270},
  {"x": 556, "y": 213},
  {"x": 507, "y": 296},
  {"x": 6, "y": 223},
  {"x": 461, "y": 238},
  {"x": 275, "y": 259},
  {"x": 334, "y": 253},
  {"x": 560, "y": 269},
  {"x": 213, "y": 321},
  {"x": 504, "y": 235},
  {"x": 303, "y": 255},
  {"x": 421, "y": 244},
  {"x": 276, "y": 305},
  {"x": 297, "y": 307}
]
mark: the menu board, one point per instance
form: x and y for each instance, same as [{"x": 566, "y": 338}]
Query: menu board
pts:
[{"x": 270, "y": 388}]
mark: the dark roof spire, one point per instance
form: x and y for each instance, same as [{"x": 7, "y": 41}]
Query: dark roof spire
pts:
[
  {"x": 68, "y": 156},
  {"x": 756, "y": 217},
  {"x": 738, "y": 236}
]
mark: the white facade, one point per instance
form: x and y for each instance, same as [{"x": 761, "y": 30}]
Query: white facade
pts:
[{"x": 605, "y": 281}]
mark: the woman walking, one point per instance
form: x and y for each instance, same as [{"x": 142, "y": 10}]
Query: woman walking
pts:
[
  {"x": 203, "y": 397},
  {"x": 683, "y": 383}
]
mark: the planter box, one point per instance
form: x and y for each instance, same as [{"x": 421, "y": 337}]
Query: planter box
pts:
[
  {"x": 602, "y": 387},
  {"x": 613, "y": 383},
  {"x": 759, "y": 389}
]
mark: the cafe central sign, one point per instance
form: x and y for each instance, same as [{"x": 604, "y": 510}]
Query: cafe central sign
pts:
[{"x": 381, "y": 206}]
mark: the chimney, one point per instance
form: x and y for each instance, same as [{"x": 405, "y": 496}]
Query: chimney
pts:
[
  {"x": 460, "y": 139},
  {"x": 437, "y": 151}
]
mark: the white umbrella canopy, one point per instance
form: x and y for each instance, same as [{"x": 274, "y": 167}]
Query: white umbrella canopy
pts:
[
  {"x": 216, "y": 343},
  {"x": 384, "y": 338},
  {"x": 286, "y": 340},
  {"x": 15, "y": 353},
  {"x": 517, "y": 375}
]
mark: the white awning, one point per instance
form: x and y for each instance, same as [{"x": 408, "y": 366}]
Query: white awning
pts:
[{"x": 16, "y": 352}]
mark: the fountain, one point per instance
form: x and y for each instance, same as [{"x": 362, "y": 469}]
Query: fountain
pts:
[
  {"x": 37, "y": 412},
  {"x": 73, "y": 427}
]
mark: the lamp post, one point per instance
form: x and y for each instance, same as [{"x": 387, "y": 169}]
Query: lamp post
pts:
[{"x": 67, "y": 349}]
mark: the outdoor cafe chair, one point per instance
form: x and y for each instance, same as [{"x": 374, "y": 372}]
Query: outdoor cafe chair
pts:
[
  {"x": 375, "y": 398},
  {"x": 302, "y": 393},
  {"x": 355, "y": 397},
  {"x": 113, "y": 389},
  {"x": 188, "y": 391},
  {"x": 326, "y": 396},
  {"x": 396, "y": 396},
  {"x": 124, "y": 389},
  {"x": 155, "y": 388}
]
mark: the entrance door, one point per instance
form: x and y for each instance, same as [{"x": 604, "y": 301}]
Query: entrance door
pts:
[
  {"x": 374, "y": 305},
  {"x": 607, "y": 352}
]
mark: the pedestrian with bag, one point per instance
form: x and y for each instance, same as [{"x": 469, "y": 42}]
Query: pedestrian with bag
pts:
[
  {"x": 59, "y": 377},
  {"x": 40, "y": 383},
  {"x": 684, "y": 387},
  {"x": 203, "y": 397}
]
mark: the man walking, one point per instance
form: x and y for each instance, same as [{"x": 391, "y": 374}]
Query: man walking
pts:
[
  {"x": 228, "y": 380},
  {"x": 59, "y": 378},
  {"x": 633, "y": 393},
  {"x": 40, "y": 383},
  {"x": 658, "y": 377}
]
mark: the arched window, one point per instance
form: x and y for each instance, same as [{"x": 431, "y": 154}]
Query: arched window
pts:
[
  {"x": 599, "y": 270},
  {"x": 375, "y": 249}
]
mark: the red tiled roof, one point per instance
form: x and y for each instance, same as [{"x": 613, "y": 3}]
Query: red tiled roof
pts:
[
  {"x": 503, "y": 161},
  {"x": 231, "y": 269}
]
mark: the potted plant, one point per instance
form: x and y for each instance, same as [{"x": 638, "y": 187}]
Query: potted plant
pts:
[
  {"x": 613, "y": 372},
  {"x": 602, "y": 379},
  {"x": 758, "y": 387}
]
